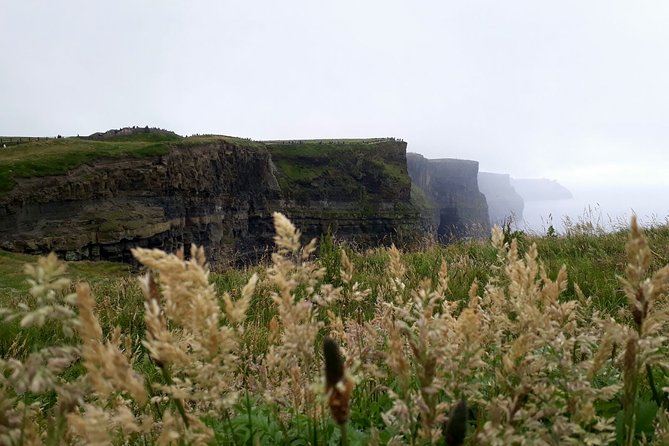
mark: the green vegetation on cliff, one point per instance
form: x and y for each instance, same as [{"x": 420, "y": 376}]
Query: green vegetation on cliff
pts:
[
  {"x": 57, "y": 156},
  {"x": 349, "y": 169},
  {"x": 343, "y": 165}
]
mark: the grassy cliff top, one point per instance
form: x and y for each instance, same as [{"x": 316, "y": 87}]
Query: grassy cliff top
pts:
[
  {"x": 312, "y": 169},
  {"x": 338, "y": 141},
  {"x": 56, "y": 156},
  {"x": 36, "y": 157}
]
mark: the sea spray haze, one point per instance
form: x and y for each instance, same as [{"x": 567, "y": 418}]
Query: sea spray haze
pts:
[
  {"x": 472, "y": 344},
  {"x": 606, "y": 208}
]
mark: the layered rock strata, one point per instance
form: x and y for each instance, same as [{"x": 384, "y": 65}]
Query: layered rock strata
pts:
[
  {"x": 218, "y": 194},
  {"x": 460, "y": 209}
]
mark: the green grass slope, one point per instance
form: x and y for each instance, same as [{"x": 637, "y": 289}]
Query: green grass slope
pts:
[
  {"x": 346, "y": 169},
  {"x": 58, "y": 156}
]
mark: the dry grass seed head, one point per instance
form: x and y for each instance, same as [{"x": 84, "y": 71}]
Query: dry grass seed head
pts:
[{"x": 108, "y": 369}]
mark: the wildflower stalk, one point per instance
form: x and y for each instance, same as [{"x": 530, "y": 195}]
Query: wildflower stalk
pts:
[
  {"x": 177, "y": 402},
  {"x": 344, "y": 434},
  {"x": 248, "y": 412},
  {"x": 653, "y": 388},
  {"x": 630, "y": 376},
  {"x": 642, "y": 349}
]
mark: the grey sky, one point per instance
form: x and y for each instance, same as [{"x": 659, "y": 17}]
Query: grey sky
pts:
[{"x": 574, "y": 90}]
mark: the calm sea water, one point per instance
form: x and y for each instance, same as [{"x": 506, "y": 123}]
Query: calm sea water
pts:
[{"x": 608, "y": 208}]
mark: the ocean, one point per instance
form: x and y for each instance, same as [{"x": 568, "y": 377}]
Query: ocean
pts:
[{"x": 607, "y": 209}]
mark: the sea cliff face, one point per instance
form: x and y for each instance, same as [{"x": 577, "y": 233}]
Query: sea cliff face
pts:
[
  {"x": 359, "y": 191},
  {"x": 503, "y": 200},
  {"x": 210, "y": 194},
  {"x": 451, "y": 186},
  {"x": 216, "y": 193}
]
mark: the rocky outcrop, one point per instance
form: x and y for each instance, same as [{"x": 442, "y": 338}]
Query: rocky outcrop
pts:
[
  {"x": 503, "y": 200},
  {"x": 144, "y": 133},
  {"x": 451, "y": 186},
  {"x": 213, "y": 192}
]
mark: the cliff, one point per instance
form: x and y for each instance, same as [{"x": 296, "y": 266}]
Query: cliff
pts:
[
  {"x": 503, "y": 200},
  {"x": 98, "y": 198},
  {"x": 539, "y": 189},
  {"x": 358, "y": 189},
  {"x": 451, "y": 187},
  {"x": 209, "y": 193}
]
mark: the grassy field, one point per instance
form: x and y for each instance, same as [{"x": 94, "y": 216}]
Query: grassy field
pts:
[{"x": 471, "y": 343}]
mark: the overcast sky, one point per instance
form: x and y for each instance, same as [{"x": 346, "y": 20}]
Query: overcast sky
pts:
[{"x": 572, "y": 90}]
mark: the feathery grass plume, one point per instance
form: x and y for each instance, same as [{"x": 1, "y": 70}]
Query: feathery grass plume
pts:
[
  {"x": 11, "y": 420},
  {"x": 346, "y": 271},
  {"x": 428, "y": 344},
  {"x": 186, "y": 338},
  {"x": 107, "y": 367},
  {"x": 351, "y": 291},
  {"x": 289, "y": 369},
  {"x": 236, "y": 311},
  {"x": 396, "y": 274},
  {"x": 287, "y": 238},
  {"x": 48, "y": 287},
  {"x": 542, "y": 351},
  {"x": 649, "y": 309},
  {"x": 108, "y": 373},
  {"x": 39, "y": 373}
]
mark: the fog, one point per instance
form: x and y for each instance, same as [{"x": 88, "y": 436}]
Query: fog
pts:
[
  {"x": 604, "y": 207},
  {"x": 571, "y": 90}
]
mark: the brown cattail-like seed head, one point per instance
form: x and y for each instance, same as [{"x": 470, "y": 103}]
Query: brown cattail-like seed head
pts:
[
  {"x": 629, "y": 362},
  {"x": 334, "y": 363},
  {"x": 456, "y": 428},
  {"x": 337, "y": 384}
]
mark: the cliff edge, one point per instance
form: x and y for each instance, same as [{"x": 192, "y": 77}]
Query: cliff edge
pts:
[
  {"x": 97, "y": 198},
  {"x": 451, "y": 186}
]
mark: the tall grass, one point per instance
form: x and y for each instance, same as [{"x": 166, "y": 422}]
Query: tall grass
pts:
[{"x": 469, "y": 344}]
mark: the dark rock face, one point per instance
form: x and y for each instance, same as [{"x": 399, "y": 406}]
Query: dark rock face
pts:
[
  {"x": 460, "y": 209},
  {"x": 216, "y": 194},
  {"x": 503, "y": 200},
  {"x": 360, "y": 192},
  {"x": 203, "y": 194}
]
